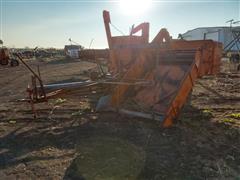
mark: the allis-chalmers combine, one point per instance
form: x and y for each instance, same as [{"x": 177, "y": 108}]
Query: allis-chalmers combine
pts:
[{"x": 146, "y": 79}]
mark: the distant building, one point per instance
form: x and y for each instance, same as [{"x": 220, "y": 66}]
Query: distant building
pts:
[
  {"x": 221, "y": 34},
  {"x": 72, "y": 50}
]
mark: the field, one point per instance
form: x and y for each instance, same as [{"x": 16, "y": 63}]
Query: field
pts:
[{"x": 69, "y": 140}]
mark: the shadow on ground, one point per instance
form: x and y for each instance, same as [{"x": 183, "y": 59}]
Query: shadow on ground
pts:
[{"x": 117, "y": 147}]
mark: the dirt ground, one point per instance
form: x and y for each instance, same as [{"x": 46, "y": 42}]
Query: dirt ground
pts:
[{"x": 69, "y": 140}]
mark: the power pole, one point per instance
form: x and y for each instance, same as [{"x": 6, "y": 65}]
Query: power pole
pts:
[{"x": 230, "y": 22}]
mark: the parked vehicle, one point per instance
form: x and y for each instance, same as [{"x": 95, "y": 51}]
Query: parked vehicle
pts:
[{"x": 6, "y": 59}]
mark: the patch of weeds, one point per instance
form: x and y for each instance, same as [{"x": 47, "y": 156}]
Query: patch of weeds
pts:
[
  {"x": 12, "y": 121},
  {"x": 59, "y": 101},
  {"x": 87, "y": 109},
  {"x": 76, "y": 114},
  {"x": 235, "y": 115},
  {"x": 207, "y": 113},
  {"x": 227, "y": 120},
  {"x": 81, "y": 112}
]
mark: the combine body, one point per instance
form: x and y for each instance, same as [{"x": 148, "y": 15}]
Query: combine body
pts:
[
  {"x": 145, "y": 79},
  {"x": 169, "y": 68}
]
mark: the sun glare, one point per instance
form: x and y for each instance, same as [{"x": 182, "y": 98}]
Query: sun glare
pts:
[{"x": 134, "y": 7}]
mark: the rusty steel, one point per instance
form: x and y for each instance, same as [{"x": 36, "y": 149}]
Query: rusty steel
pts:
[
  {"x": 173, "y": 66},
  {"x": 146, "y": 79}
]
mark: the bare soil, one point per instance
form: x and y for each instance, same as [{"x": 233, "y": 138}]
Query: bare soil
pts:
[{"x": 69, "y": 140}]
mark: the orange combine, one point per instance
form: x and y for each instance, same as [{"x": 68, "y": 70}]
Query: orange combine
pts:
[
  {"x": 145, "y": 79},
  {"x": 169, "y": 66}
]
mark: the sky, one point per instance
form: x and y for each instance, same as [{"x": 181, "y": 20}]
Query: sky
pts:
[{"x": 50, "y": 23}]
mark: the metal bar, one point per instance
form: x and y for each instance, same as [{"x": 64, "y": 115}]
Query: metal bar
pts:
[
  {"x": 149, "y": 83},
  {"x": 70, "y": 85},
  {"x": 232, "y": 43},
  {"x": 88, "y": 83},
  {"x": 237, "y": 40},
  {"x": 28, "y": 67},
  {"x": 142, "y": 114}
]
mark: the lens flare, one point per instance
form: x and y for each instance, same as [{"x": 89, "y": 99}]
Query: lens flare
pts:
[{"x": 134, "y": 7}]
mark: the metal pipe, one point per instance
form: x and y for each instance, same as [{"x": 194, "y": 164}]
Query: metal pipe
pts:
[
  {"x": 142, "y": 114},
  {"x": 89, "y": 83},
  {"x": 68, "y": 86}
]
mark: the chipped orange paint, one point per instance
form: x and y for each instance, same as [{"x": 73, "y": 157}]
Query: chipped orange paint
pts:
[{"x": 171, "y": 65}]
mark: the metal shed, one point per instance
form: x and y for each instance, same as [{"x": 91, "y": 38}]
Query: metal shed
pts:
[{"x": 225, "y": 35}]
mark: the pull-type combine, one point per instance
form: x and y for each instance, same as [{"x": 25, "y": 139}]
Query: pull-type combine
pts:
[{"x": 147, "y": 79}]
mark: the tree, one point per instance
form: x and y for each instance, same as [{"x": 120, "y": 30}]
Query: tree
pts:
[{"x": 1, "y": 42}]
